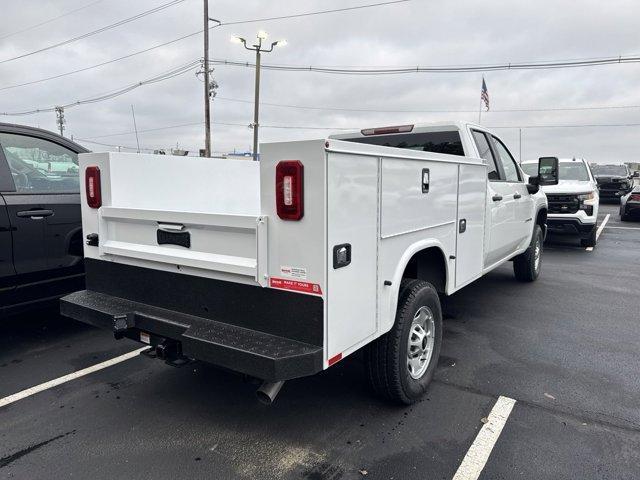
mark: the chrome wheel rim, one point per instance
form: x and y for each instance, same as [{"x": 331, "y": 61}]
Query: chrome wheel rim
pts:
[
  {"x": 537, "y": 254},
  {"x": 420, "y": 343}
]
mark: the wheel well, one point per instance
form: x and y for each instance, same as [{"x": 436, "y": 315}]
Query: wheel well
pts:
[
  {"x": 428, "y": 265},
  {"x": 541, "y": 220}
]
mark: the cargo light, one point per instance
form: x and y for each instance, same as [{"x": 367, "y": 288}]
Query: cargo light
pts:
[
  {"x": 93, "y": 189},
  {"x": 290, "y": 190},
  {"x": 387, "y": 130}
]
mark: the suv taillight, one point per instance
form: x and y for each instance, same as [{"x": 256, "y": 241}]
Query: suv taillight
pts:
[
  {"x": 290, "y": 190},
  {"x": 635, "y": 197},
  {"x": 92, "y": 184}
]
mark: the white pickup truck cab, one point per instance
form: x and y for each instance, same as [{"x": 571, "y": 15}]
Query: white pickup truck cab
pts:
[
  {"x": 281, "y": 268},
  {"x": 573, "y": 202}
]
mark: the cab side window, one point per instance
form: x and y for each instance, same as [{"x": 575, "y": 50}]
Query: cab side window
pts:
[
  {"x": 40, "y": 166},
  {"x": 511, "y": 172},
  {"x": 484, "y": 150}
]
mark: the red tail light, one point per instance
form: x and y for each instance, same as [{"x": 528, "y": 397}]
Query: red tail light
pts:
[
  {"x": 92, "y": 184},
  {"x": 635, "y": 197},
  {"x": 290, "y": 189}
]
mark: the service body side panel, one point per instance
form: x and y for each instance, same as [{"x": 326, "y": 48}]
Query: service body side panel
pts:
[
  {"x": 472, "y": 191},
  {"x": 414, "y": 218},
  {"x": 352, "y": 209}
]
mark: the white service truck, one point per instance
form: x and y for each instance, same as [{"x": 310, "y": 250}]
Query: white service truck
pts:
[{"x": 281, "y": 268}]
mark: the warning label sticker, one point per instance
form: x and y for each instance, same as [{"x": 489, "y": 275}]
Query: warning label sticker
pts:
[
  {"x": 294, "y": 285},
  {"x": 293, "y": 272}
]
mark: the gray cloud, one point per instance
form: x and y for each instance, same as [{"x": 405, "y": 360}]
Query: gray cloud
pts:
[{"x": 418, "y": 32}]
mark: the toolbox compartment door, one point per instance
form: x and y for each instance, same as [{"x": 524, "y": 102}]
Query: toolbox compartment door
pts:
[
  {"x": 352, "y": 210},
  {"x": 472, "y": 191}
]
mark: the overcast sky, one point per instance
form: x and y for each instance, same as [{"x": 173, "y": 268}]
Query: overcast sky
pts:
[{"x": 419, "y": 32}]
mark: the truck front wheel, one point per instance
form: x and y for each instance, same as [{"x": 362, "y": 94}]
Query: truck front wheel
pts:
[
  {"x": 526, "y": 266},
  {"x": 402, "y": 362}
]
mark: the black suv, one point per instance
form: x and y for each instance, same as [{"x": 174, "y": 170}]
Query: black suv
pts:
[
  {"x": 40, "y": 222},
  {"x": 614, "y": 181}
]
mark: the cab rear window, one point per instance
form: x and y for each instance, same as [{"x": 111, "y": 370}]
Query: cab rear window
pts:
[{"x": 437, "y": 142}]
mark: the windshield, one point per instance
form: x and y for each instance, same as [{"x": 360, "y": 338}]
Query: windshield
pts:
[
  {"x": 573, "y": 171},
  {"x": 530, "y": 169},
  {"x": 617, "y": 170}
]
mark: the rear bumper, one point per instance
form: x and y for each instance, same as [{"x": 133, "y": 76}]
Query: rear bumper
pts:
[
  {"x": 254, "y": 353},
  {"x": 269, "y": 334},
  {"x": 569, "y": 226}
]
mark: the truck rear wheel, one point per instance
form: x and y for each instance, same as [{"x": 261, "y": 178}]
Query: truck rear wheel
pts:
[
  {"x": 526, "y": 266},
  {"x": 401, "y": 363}
]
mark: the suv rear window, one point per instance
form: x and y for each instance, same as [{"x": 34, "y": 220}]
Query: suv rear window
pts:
[{"x": 437, "y": 142}]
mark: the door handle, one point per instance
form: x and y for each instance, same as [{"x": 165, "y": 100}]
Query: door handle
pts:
[
  {"x": 516, "y": 196},
  {"x": 35, "y": 214},
  {"x": 496, "y": 198}
]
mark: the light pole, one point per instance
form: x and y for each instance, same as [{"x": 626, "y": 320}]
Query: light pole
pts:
[{"x": 257, "y": 47}]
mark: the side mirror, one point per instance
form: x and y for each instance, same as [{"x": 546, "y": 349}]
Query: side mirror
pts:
[{"x": 548, "y": 171}]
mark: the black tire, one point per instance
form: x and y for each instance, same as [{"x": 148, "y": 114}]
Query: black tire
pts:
[
  {"x": 591, "y": 240},
  {"x": 526, "y": 266},
  {"x": 386, "y": 357},
  {"x": 623, "y": 216}
]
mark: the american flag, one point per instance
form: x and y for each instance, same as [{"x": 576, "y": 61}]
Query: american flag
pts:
[{"x": 484, "y": 94}]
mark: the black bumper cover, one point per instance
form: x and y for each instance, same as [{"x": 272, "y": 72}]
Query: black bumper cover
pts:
[
  {"x": 262, "y": 355},
  {"x": 570, "y": 226}
]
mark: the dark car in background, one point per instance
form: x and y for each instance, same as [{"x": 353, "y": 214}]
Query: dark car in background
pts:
[
  {"x": 614, "y": 181},
  {"x": 630, "y": 205},
  {"x": 40, "y": 225}
]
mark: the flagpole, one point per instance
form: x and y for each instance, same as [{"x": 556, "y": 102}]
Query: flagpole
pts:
[{"x": 480, "y": 111}]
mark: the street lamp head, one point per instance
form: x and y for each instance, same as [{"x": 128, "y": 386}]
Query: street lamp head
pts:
[
  {"x": 236, "y": 39},
  {"x": 262, "y": 35},
  {"x": 281, "y": 43}
]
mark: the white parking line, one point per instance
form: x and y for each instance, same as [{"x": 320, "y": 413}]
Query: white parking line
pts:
[
  {"x": 599, "y": 231},
  {"x": 67, "y": 378},
  {"x": 477, "y": 456},
  {"x": 625, "y": 228}
]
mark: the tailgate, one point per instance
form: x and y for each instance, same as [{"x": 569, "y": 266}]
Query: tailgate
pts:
[{"x": 179, "y": 212}]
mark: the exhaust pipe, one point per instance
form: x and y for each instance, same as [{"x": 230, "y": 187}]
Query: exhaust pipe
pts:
[{"x": 268, "y": 391}]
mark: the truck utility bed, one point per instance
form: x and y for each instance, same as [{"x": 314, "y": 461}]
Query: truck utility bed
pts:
[{"x": 280, "y": 268}]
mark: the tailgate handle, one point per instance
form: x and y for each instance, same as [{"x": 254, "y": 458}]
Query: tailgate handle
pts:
[{"x": 173, "y": 234}]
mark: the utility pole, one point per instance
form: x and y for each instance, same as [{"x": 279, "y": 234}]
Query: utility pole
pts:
[
  {"x": 209, "y": 86},
  {"x": 135, "y": 127},
  {"x": 60, "y": 120},
  {"x": 257, "y": 47},
  {"x": 207, "y": 105}
]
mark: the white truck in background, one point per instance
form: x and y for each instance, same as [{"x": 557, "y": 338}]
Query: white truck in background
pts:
[
  {"x": 573, "y": 202},
  {"x": 281, "y": 268}
]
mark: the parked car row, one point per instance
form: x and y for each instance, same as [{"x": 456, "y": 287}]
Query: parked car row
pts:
[{"x": 41, "y": 247}]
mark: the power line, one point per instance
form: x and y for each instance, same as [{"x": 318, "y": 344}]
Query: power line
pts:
[
  {"x": 95, "y": 32},
  {"x": 372, "y": 110},
  {"x": 184, "y": 37},
  {"x": 319, "y": 12},
  {"x": 381, "y": 70},
  {"x": 114, "y": 93},
  {"x": 32, "y": 27}
]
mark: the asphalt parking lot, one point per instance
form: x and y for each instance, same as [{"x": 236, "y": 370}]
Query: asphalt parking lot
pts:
[{"x": 564, "y": 348}]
